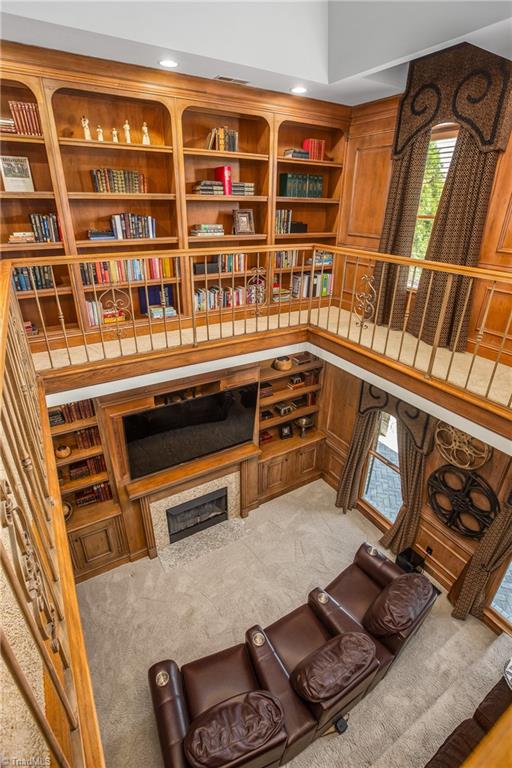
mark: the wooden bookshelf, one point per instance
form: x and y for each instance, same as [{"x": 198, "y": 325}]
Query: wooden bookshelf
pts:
[
  {"x": 83, "y": 482},
  {"x": 173, "y": 163}
]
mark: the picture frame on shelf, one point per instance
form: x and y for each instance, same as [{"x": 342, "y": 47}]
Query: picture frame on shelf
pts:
[
  {"x": 285, "y": 431},
  {"x": 16, "y": 174},
  {"x": 243, "y": 221}
]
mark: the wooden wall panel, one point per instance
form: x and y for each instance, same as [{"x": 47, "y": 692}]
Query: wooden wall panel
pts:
[{"x": 340, "y": 397}]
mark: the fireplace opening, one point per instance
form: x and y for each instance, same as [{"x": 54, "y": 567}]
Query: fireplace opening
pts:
[{"x": 197, "y": 514}]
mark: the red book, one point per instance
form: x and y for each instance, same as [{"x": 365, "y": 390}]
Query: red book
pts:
[{"x": 223, "y": 173}]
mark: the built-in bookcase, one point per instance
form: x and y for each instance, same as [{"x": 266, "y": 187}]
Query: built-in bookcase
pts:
[
  {"x": 92, "y": 210},
  {"x": 249, "y": 164},
  {"x": 321, "y": 214}
]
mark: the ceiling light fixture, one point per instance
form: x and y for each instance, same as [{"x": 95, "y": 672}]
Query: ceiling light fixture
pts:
[
  {"x": 298, "y": 90},
  {"x": 168, "y": 63}
]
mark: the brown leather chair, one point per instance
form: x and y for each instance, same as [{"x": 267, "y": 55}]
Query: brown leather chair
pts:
[{"x": 293, "y": 679}]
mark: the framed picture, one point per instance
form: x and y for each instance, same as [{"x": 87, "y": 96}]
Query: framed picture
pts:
[
  {"x": 16, "y": 174},
  {"x": 243, "y": 221},
  {"x": 285, "y": 431}
]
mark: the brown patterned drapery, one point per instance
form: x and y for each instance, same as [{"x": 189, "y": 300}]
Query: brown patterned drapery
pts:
[
  {"x": 473, "y": 88},
  {"x": 415, "y": 434},
  {"x": 398, "y": 230},
  {"x": 455, "y": 239},
  {"x": 493, "y": 550}
]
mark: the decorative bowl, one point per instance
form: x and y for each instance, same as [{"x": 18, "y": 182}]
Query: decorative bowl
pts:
[
  {"x": 62, "y": 451},
  {"x": 282, "y": 363}
]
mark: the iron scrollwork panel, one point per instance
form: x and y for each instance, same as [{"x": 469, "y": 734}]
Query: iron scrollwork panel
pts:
[{"x": 463, "y": 500}]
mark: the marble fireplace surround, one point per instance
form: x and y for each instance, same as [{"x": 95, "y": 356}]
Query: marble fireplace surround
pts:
[{"x": 158, "y": 508}]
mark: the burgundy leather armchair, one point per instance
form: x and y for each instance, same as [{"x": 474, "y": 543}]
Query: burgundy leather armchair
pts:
[{"x": 260, "y": 703}]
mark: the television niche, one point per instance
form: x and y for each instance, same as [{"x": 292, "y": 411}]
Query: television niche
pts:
[{"x": 173, "y": 434}]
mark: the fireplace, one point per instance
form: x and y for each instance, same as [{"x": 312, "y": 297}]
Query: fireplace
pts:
[{"x": 197, "y": 514}]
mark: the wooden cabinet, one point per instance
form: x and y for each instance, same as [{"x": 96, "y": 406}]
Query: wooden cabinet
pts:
[
  {"x": 289, "y": 470},
  {"x": 97, "y": 545}
]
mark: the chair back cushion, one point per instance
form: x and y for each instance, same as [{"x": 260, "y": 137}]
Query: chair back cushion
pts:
[
  {"x": 329, "y": 670},
  {"x": 398, "y": 605},
  {"x": 232, "y": 729}
]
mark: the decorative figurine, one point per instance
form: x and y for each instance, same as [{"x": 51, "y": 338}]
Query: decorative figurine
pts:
[
  {"x": 145, "y": 134},
  {"x": 115, "y": 136},
  {"x": 87, "y": 130},
  {"x": 126, "y": 129},
  {"x": 99, "y": 133}
]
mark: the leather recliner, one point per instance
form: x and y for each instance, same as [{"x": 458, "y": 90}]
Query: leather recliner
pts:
[{"x": 260, "y": 703}]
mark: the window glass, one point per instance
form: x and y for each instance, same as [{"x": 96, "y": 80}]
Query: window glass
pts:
[
  {"x": 382, "y": 489},
  {"x": 502, "y": 602}
]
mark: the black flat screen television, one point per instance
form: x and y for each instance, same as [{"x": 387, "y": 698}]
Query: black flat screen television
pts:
[{"x": 173, "y": 434}]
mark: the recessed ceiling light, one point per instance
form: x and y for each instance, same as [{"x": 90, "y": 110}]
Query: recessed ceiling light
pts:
[
  {"x": 168, "y": 63},
  {"x": 298, "y": 90}
]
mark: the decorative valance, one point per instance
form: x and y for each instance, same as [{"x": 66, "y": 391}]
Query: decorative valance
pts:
[
  {"x": 417, "y": 423},
  {"x": 463, "y": 84}
]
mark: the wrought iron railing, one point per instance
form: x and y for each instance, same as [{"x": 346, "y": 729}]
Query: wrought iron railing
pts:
[{"x": 85, "y": 309}]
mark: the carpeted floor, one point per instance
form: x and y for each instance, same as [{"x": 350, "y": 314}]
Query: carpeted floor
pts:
[{"x": 155, "y": 609}]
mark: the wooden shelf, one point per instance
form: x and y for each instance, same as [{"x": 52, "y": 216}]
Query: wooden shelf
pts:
[
  {"x": 27, "y": 196},
  {"x": 61, "y": 291},
  {"x": 92, "y": 513},
  {"x": 227, "y": 198},
  {"x": 197, "y": 152},
  {"x": 83, "y": 144},
  {"x": 304, "y": 235},
  {"x": 121, "y": 195},
  {"x": 211, "y": 276},
  {"x": 310, "y": 163},
  {"x": 317, "y": 200},
  {"x": 79, "y": 454},
  {"x": 72, "y": 426},
  {"x": 299, "y": 270},
  {"x": 277, "y": 447},
  {"x": 102, "y": 287},
  {"x": 105, "y": 244},
  {"x": 271, "y": 374},
  {"x": 286, "y": 394},
  {"x": 30, "y": 246},
  {"x": 83, "y": 482},
  {"x": 224, "y": 238},
  {"x": 306, "y": 411},
  {"x": 19, "y": 139}
]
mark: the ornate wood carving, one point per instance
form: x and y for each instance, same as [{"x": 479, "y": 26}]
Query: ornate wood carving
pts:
[
  {"x": 463, "y": 500},
  {"x": 460, "y": 449}
]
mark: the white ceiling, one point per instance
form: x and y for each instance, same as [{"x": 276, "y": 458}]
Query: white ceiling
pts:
[{"x": 346, "y": 52}]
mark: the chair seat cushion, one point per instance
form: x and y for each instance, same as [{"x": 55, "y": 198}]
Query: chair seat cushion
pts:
[
  {"x": 330, "y": 669},
  {"x": 233, "y": 729},
  {"x": 398, "y": 605}
]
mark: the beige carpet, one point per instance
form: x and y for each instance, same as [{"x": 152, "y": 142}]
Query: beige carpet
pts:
[{"x": 155, "y": 609}]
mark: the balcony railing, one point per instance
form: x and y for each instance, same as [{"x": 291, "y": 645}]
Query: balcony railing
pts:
[{"x": 87, "y": 309}]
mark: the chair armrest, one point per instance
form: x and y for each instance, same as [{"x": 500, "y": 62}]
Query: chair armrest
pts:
[
  {"x": 376, "y": 565},
  {"x": 331, "y": 613},
  {"x": 170, "y": 711}
]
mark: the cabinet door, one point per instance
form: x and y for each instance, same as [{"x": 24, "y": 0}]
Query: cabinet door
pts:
[
  {"x": 273, "y": 476},
  {"x": 97, "y": 545},
  {"x": 306, "y": 461}
]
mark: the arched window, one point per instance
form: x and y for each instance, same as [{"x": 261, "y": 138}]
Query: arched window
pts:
[{"x": 439, "y": 157}]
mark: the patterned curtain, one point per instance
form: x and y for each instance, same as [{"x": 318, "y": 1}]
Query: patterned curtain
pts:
[
  {"x": 412, "y": 465},
  {"x": 398, "y": 230},
  {"x": 456, "y": 237},
  {"x": 493, "y": 550},
  {"x": 362, "y": 438}
]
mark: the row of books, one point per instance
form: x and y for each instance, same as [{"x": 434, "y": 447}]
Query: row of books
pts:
[
  {"x": 93, "y": 495},
  {"x": 232, "y": 262},
  {"x": 45, "y": 229},
  {"x": 283, "y": 221},
  {"x": 92, "y": 466},
  {"x": 112, "y": 180},
  {"x": 127, "y": 226},
  {"x": 206, "y": 230},
  {"x": 223, "y": 139},
  {"x": 315, "y": 148},
  {"x": 215, "y": 297},
  {"x": 317, "y": 285},
  {"x": 66, "y": 414},
  {"x": 150, "y": 300},
  {"x": 296, "y": 154},
  {"x": 87, "y": 438},
  {"x": 321, "y": 257},
  {"x": 241, "y": 188},
  {"x": 286, "y": 259},
  {"x": 25, "y": 115},
  {"x": 26, "y": 279},
  {"x": 125, "y": 270},
  {"x": 301, "y": 185}
]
